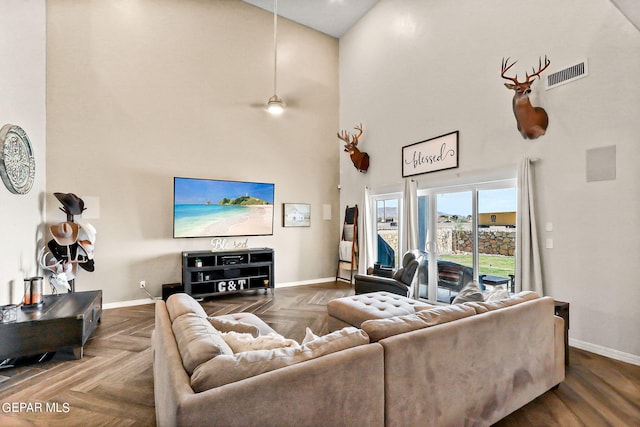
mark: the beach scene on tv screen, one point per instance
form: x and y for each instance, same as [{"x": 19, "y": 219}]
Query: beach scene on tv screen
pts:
[{"x": 213, "y": 208}]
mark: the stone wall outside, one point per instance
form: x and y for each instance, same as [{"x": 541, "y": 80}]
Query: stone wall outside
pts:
[{"x": 491, "y": 241}]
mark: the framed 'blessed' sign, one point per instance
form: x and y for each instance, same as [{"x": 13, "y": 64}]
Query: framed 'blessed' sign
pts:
[{"x": 432, "y": 155}]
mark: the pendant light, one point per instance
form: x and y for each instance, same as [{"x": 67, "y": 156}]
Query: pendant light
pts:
[{"x": 275, "y": 105}]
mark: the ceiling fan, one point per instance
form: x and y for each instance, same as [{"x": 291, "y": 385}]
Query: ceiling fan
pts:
[{"x": 275, "y": 105}]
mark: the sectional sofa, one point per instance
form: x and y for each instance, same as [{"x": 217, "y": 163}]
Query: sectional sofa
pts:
[{"x": 462, "y": 365}]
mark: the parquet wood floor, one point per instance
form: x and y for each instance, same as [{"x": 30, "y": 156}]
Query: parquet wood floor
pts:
[{"x": 112, "y": 385}]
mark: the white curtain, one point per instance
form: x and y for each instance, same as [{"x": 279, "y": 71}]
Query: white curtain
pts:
[
  {"x": 367, "y": 235},
  {"x": 528, "y": 267},
  {"x": 410, "y": 217}
]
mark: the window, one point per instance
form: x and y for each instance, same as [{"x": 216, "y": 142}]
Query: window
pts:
[
  {"x": 469, "y": 232},
  {"x": 386, "y": 244}
]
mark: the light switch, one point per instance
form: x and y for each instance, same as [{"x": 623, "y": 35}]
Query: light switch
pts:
[
  {"x": 326, "y": 212},
  {"x": 549, "y": 226},
  {"x": 549, "y": 244}
]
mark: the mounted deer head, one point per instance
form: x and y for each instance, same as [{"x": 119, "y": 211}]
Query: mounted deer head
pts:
[
  {"x": 532, "y": 121},
  {"x": 360, "y": 159}
]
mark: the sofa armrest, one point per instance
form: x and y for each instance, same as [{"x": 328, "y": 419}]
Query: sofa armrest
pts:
[
  {"x": 365, "y": 284},
  {"x": 559, "y": 349},
  {"x": 344, "y": 388},
  {"x": 352, "y": 394}
]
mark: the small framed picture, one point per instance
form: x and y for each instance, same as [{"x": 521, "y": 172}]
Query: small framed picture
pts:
[{"x": 296, "y": 215}]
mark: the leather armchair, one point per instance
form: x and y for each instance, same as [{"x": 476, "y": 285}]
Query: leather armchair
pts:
[{"x": 414, "y": 266}]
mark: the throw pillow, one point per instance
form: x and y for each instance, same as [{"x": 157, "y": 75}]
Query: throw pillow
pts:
[
  {"x": 229, "y": 325},
  {"x": 240, "y": 342},
  {"x": 309, "y": 336},
  {"x": 471, "y": 292},
  {"x": 497, "y": 293},
  {"x": 228, "y": 369},
  {"x": 197, "y": 341}
]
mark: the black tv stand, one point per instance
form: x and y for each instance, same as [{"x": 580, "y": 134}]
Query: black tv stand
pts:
[{"x": 209, "y": 273}]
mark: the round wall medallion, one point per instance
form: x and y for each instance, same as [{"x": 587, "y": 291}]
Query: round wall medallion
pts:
[{"x": 17, "y": 165}]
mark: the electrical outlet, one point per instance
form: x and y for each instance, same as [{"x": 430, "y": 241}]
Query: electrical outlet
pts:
[{"x": 143, "y": 284}]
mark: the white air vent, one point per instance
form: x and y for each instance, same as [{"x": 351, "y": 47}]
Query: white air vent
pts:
[{"x": 567, "y": 75}]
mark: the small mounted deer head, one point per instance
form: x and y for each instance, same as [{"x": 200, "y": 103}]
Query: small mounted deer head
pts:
[
  {"x": 360, "y": 159},
  {"x": 532, "y": 121}
]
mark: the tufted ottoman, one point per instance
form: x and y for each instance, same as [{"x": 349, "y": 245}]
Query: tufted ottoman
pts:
[{"x": 353, "y": 310}]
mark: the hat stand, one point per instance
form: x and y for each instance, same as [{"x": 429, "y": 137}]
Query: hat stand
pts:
[
  {"x": 63, "y": 243},
  {"x": 72, "y": 282}
]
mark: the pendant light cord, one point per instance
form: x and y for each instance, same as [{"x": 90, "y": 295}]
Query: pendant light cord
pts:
[{"x": 275, "y": 47}]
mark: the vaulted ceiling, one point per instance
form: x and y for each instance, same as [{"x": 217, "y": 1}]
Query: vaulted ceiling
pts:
[
  {"x": 335, "y": 17},
  {"x": 630, "y": 9}
]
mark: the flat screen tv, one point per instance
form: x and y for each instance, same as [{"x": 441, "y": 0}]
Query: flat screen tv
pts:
[{"x": 217, "y": 208}]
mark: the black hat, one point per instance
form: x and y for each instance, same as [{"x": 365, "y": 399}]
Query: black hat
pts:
[{"x": 72, "y": 204}]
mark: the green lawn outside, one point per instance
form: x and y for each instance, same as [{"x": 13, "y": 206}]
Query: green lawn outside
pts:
[{"x": 489, "y": 264}]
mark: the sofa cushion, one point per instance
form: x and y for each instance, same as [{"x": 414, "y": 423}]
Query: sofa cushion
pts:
[
  {"x": 382, "y": 328},
  {"x": 477, "y": 307},
  {"x": 226, "y": 369},
  {"x": 197, "y": 341},
  {"x": 181, "y": 303},
  {"x": 240, "y": 342},
  {"x": 471, "y": 292},
  {"x": 232, "y": 325},
  {"x": 483, "y": 307}
]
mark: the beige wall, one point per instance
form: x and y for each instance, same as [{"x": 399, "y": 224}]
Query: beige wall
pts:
[
  {"x": 140, "y": 92},
  {"x": 22, "y": 47},
  {"x": 412, "y": 70}
]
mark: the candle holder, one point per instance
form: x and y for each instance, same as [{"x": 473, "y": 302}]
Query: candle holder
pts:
[
  {"x": 33, "y": 292},
  {"x": 8, "y": 313}
]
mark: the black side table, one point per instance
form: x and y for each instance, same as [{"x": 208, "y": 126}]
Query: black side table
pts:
[
  {"x": 562, "y": 310},
  {"x": 63, "y": 321}
]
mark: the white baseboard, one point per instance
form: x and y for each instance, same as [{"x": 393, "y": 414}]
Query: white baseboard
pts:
[
  {"x": 305, "y": 282},
  {"x": 605, "y": 351},
  {"x": 130, "y": 303}
]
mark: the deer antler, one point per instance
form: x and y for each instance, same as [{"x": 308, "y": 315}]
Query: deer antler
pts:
[
  {"x": 351, "y": 139},
  {"x": 360, "y": 129},
  {"x": 344, "y": 136},
  {"x": 506, "y": 67},
  {"x": 541, "y": 68}
]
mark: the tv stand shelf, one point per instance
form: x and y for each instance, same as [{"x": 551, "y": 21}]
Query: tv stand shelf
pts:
[{"x": 207, "y": 273}]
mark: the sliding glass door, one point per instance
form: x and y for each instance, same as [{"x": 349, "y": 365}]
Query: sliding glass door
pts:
[
  {"x": 455, "y": 242},
  {"x": 469, "y": 234},
  {"x": 497, "y": 237}
]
